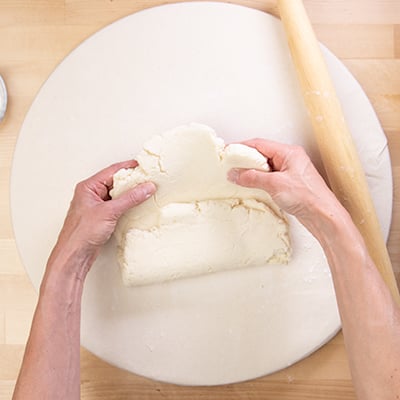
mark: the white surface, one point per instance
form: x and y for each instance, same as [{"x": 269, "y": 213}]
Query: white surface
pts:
[
  {"x": 197, "y": 222},
  {"x": 225, "y": 66}
]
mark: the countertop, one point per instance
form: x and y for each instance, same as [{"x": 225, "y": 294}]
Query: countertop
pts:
[{"x": 36, "y": 35}]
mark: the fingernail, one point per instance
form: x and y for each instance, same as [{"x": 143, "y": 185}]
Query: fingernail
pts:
[
  {"x": 233, "y": 175},
  {"x": 149, "y": 188}
]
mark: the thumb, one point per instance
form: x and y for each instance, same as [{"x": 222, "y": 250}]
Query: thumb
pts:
[
  {"x": 133, "y": 197},
  {"x": 254, "y": 179}
]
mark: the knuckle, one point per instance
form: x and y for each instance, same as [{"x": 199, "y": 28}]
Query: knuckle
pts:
[
  {"x": 80, "y": 187},
  {"x": 297, "y": 152},
  {"x": 251, "y": 177},
  {"x": 296, "y": 149},
  {"x": 136, "y": 196}
]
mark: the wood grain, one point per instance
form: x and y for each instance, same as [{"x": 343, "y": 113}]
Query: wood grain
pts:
[
  {"x": 36, "y": 35},
  {"x": 396, "y": 38},
  {"x": 362, "y": 42}
]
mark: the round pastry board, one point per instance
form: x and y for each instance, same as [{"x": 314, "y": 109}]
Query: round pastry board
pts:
[{"x": 225, "y": 66}]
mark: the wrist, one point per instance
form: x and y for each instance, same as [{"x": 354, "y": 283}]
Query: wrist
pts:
[
  {"x": 67, "y": 267},
  {"x": 329, "y": 222},
  {"x": 333, "y": 227}
]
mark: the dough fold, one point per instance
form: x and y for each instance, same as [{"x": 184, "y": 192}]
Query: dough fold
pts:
[{"x": 197, "y": 222}]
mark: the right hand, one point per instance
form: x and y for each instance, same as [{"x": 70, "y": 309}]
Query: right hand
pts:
[{"x": 294, "y": 183}]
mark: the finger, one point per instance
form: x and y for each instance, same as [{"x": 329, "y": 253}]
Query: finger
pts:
[
  {"x": 253, "y": 178},
  {"x": 274, "y": 151},
  {"x": 132, "y": 197},
  {"x": 105, "y": 176}
]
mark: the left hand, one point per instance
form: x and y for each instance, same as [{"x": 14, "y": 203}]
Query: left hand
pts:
[{"x": 93, "y": 215}]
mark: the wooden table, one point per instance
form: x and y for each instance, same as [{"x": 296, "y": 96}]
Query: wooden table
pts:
[{"x": 36, "y": 35}]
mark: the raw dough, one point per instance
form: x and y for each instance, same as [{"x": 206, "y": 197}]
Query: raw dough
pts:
[{"x": 198, "y": 222}]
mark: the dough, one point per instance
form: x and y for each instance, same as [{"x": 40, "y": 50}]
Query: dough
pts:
[{"x": 198, "y": 222}]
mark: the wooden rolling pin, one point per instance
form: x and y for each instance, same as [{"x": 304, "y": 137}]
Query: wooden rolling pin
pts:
[{"x": 338, "y": 152}]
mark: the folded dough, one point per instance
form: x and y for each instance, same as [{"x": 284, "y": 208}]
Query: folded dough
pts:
[{"x": 197, "y": 222}]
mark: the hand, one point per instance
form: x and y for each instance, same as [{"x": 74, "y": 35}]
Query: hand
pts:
[
  {"x": 92, "y": 216},
  {"x": 294, "y": 183}
]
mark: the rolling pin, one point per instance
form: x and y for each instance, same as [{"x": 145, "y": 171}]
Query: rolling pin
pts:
[{"x": 338, "y": 152}]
